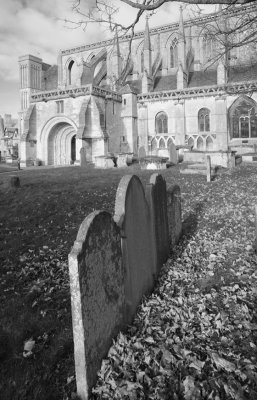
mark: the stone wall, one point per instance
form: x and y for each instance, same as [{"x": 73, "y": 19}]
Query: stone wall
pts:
[{"x": 114, "y": 262}]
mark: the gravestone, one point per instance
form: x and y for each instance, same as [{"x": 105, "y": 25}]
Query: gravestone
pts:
[
  {"x": 97, "y": 295},
  {"x": 174, "y": 214},
  {"x": 156, "y": 195},
  {"x": 173, "y": 156},
  {"x": 133, "y": 217},
  {"x": 208, "y": 168}
]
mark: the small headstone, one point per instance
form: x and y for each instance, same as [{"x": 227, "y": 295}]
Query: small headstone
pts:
[
  {"x": 173, "y": 153},
  {"x": 15, "y": 181},
  {"x": 208, "y": 168}
]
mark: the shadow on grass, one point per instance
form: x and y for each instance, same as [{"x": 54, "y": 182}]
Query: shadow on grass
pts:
[{"x": 190, "y": 223}]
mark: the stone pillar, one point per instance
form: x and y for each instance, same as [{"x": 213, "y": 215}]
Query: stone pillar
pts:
[
  {"x": 221, "y": 124},
  {"x": 181, "y": 78},
  {"x": 180, "y": 128}
]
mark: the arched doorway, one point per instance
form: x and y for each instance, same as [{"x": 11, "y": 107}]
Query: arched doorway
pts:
[{"x": 61, "y": 145}]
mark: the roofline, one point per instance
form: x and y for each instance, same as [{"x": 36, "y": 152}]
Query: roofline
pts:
[{"x": 158, "y": 29}]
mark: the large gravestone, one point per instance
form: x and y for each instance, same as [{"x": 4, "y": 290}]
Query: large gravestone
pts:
[
  {"x": 97, "y": 295},
  {"x": 174, "y": 214},
  {"x": 133, "y": 217},
  {"x": 173, "y": 156},
  {"x": 157, "y": 199}
]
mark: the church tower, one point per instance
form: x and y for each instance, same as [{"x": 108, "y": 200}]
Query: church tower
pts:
[
  {"x": 30, "y": 78},
  {"x": 147, "y": 57},
  {"x": 181, "y": 74}
]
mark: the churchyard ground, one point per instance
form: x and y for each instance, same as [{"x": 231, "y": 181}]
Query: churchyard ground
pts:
[{"x": 195, "y": 337}]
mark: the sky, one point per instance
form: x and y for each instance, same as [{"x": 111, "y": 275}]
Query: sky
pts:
[{"x": 38, "y": 27}]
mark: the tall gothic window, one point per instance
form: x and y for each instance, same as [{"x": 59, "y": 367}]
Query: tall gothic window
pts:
[
  {"x": 161, "y": 123},
  {"x": 208, "y": 48},
  {"x": 69, "y": 72},
  {"x": 243, "y": 118},
  {"x": 204, "y": 120},
  {"x": 174, "y": 54}
]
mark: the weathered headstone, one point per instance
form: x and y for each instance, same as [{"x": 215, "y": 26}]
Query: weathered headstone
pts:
[
  {"x": 133, "y": 217},
  {"x": 97, "y": 295},
  {"x": 15, "y": 181},
  {"x": 173, "y": 156},
  {"x": 208, "y": 168},
  {"x": 174, "y": 214},
  {"x": 113, "y": 264},
  {"x": 156, "y": 195}
]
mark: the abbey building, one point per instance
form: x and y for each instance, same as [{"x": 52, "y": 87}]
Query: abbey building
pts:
[{"x": 175, "y": 86}]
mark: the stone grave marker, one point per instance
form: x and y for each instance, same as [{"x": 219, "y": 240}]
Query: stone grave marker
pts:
[
  {"x": 208, "y": 168},
  {"x": 133, "y": 217},
  {"x": 173, "y": 156},
  {"x": 156, "y": 195},
  {"x": 97, "y": 295}
]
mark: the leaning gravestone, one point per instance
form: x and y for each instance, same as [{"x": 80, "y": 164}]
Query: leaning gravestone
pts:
[
  {"x": 133, "y": 217},
  {"x": 157, "y": 199},
  {"x": 173, "y": 156},
  {"x": 97, "y": 295}
]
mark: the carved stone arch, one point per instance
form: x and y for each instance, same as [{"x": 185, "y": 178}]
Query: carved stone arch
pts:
[
  {"x": 242, "y": 115},
  {"x": 161, "y": 144}
]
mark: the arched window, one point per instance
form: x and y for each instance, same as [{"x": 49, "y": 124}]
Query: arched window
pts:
[
  {"x": 199, "y": 143},
  {"x": 204, "y": 120},
  {"x": 142, "y": 61},
  {"x": 161, "y": 123},
  {"x": 174, "y": 54},
  {"x": 209, "y": 143},
  {"x": 69, "y": 72},
  {"x": 191, "y": 142},
  {"x": 161, "y": 144},
  {"x": 209, "y": 46},
  {"x": 243, "y": 118}
]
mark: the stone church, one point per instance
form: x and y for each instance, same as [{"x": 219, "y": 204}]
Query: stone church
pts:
[{"x": 167, "y": 85}]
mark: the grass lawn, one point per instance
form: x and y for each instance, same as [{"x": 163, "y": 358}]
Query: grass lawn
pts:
[{"x": 202, "y": 312}]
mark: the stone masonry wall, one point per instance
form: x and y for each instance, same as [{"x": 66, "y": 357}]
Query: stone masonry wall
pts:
[{"x": 114, "y": 263}]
